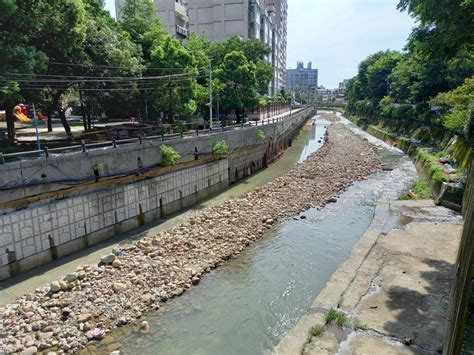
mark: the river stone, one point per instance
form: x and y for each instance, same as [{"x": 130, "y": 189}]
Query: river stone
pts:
[
  {"x": 84, "y": 317},
  {"x": 45, "y": 335},
  {"x": 30, "y": 351},
  {"x": 62, "y": 285},
  {"x": 70, "y": 277},
  {"x": 144, "y": 327},
  {"x": 117, "y": 263},
  {"x": 54, "y": 286},
  {"x": 119, "y": 287},
  {"x": 178, "y": 292},
  {"x": 107, "y": 259}
]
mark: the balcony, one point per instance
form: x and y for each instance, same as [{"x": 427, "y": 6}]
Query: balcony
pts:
[{"x": 181, "y": 31}]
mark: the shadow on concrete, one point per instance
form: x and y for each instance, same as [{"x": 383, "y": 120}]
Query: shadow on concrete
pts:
[{"x": 422, "y": 309}]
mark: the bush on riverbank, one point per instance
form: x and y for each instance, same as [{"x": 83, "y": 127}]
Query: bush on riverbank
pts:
[
  {"x": 220, "y": 150},
  {"x": 431, "y": 160},
  {"x": 336, "y": 317},
  {"x": 419, "y": 191},
  {"x": 169, "y": 156}
]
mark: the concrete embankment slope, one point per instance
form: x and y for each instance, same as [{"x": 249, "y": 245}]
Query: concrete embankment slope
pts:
[{"x": 394, "y": 287}]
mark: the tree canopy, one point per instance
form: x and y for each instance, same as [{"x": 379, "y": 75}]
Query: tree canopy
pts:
[
  {"x": 435, "y": 68},
  {"x": 68, "y": 52}
]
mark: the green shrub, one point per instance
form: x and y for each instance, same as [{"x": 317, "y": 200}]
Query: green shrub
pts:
[
  {"x": 220, "y": 150},
  {"x": 169, "y": 156},
  {"x": 456, "y": 120},
  {"x": 422, "y": 190},
  {"x": 315, "y": 331},
  {"x": 260, "y": 134},
  {"x": 425, "y": 156},
  {"x": 336, "y": 317},
  {"x": 438, "y": 175}
]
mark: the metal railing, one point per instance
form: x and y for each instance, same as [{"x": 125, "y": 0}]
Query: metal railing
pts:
[{"x": 83, "y": 147}]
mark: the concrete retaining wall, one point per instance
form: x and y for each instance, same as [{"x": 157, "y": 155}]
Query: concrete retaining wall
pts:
[
  {"x": 60, "y": 223},
  {"x": 44, "y": 231},
  {"x": 445, "y": 194},
  {"x": 461, "y": 287},
  {"x": 31, "y": 177}
]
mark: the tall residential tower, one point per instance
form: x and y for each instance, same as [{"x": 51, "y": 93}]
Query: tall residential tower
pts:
[
  {"x": 265, "y": 20},
  {"x": 302, "y": 82}
]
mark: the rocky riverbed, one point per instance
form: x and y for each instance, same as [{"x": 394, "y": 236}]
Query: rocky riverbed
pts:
[{"x": 82, "y": 307}]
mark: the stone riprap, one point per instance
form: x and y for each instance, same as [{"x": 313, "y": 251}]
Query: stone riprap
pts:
[{"x": 70, "y": 313}]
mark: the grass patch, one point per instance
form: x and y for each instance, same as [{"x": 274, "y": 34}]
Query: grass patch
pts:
[
  {"x": 426, "y": 157},
  {"x": 436, "y": 171},
  {"x": 421, "y": 189},
  {"x": 315, "y": 331},
  {"x": 360, "y": 326},
  {"x": 336, "y": 317}
]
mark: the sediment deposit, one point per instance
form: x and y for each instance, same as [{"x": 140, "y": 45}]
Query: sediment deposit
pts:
[{"x": 82, "y": 307}]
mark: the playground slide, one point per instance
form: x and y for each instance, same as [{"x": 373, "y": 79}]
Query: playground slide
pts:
[{"x": 21, "y": 117}]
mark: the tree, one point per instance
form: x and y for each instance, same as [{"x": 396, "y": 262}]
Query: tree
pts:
[
  {"x": 107, "y": 52},
  {"x": 445, "y": 27},
  {"x": 378, "y": 72},
  {"x": 457, "y": 103},
  {"x": 138, "y": 20},
  {"x": 19, "y": 59},
  {"x": 239, "y": 82},
  {"x": 175, "y": 95}
]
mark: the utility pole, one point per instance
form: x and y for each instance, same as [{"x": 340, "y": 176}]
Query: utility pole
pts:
[
  {"x": 218, "y": 112},
  {"x": 36, "y": 127},
  {"x": 210, "y": 94},
  {"x": 146, "y": 105},
  {"x": 83, "y": 110}
]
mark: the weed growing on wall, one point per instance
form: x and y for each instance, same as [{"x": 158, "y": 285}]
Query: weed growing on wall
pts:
[
  {"x": 169, "y": 156},
  {"x": 220, "y": 150}
]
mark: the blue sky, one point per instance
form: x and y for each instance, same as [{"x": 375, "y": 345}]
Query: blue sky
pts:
[{"x": 337, "y": 34}]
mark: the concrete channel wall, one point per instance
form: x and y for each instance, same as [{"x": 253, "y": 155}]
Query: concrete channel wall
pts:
[
  {"x": 30, "y": 177},
  {"x": 461, "y": 287},
  {"x": 42, "y": 229}
]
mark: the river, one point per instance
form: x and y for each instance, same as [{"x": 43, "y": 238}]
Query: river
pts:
[
  {"x": 246, "y": 306},
  {"x": 17, "y": 286}
]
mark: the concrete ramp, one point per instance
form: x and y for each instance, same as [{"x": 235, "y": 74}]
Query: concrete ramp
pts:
[{"x": 393, "y": 288}]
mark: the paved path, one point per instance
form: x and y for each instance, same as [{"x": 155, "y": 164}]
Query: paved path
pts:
[{"x": 394, "y": 287}]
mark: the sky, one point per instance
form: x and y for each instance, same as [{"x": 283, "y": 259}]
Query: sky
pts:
[{"x": 336, "y": 35}]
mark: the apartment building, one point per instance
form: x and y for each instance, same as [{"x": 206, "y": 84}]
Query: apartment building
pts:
[
  {"x": 173, "y": 13},
  {"x": 265, "y": 20},
  {"x": 302, "y": 82}
]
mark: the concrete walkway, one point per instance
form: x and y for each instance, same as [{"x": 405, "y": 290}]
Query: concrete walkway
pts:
[{"x": 394, "y": 287}]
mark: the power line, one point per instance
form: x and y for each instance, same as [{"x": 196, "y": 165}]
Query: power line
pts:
[
  {"x": 144, "y": 67},
  {"x": 126, "y": 79},
  {"x": 80, "y": 77}
]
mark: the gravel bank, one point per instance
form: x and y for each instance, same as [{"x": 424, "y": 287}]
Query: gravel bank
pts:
[{"x": 82, "y": 307}]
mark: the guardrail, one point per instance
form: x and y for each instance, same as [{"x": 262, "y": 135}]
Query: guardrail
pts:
[{"x": 83, "y": 147}]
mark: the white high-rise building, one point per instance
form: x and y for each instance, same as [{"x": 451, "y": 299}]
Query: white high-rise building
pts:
[{"x": 265, "y": 20}]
